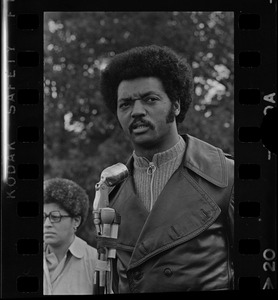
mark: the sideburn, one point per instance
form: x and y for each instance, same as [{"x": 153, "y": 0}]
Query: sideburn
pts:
[{"x": 171, "y": 115}]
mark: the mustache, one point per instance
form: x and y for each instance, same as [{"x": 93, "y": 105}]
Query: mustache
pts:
[{"x": 140, "y": 122}]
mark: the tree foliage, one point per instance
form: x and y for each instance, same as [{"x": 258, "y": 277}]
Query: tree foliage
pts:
[{"x": 81, "y": 136}]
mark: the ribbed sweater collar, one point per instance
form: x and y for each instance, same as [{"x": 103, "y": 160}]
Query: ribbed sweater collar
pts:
[{"x": 161, "y": 157}]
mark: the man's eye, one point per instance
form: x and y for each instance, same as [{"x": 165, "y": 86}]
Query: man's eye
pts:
[
  {"x": 124, "y": 105},
  {"x": 151, "y": 99}
]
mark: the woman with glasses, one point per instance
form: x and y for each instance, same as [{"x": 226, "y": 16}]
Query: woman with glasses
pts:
[{"x": 69, "y": 262}]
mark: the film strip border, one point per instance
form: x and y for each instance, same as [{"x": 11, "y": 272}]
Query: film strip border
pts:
[
  {"x": 22, "y": 154},
  {"x": 255, "y": 171},
  {"x": 255, "y": 161}
]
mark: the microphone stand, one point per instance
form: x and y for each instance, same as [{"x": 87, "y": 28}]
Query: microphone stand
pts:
[{"x": 106, "y": 221}]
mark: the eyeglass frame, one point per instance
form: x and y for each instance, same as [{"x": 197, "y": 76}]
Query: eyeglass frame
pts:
[{"x": 45, "y": 216}]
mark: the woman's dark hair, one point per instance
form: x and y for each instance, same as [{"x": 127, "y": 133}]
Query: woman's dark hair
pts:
[
  {"x": 149, "y": 61},
  {"x": 68, "y": 195}
]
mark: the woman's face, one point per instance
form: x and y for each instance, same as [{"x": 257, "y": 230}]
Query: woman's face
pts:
[{"x": 61, "y": 233}]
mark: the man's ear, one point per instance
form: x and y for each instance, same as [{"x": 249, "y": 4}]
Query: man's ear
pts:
[{"x": 177, "y": 108}]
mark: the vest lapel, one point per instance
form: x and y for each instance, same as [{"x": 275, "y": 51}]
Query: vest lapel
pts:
[{"x": 133, "y": 215}]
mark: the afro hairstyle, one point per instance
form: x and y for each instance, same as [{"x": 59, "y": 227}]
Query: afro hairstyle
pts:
[
  {"x": 68, "y": 195},
  {"x": 149, "y": 61}
]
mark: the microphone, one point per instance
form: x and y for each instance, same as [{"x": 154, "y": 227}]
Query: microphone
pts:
[
  {"x": 109, "y": 177},
  {"x": 114, "y": 174}
]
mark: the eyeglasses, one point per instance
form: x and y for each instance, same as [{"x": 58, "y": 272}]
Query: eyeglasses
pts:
[{"x": 54, "y": 216}]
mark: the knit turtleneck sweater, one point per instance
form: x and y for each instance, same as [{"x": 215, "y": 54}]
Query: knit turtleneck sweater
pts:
[{"x": 151, "y": 177}]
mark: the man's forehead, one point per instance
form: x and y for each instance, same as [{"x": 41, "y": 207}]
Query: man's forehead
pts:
[{"x": 138, "y": 86}]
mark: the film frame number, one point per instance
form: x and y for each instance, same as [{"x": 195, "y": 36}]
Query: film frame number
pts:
[{"x": 269, "y": 256}]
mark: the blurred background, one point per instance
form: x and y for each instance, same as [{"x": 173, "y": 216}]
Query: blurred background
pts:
[{"x": 81, "y": 137}]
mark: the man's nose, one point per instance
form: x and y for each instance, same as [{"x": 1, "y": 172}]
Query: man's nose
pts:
[{"x": 138, "y": 108}]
